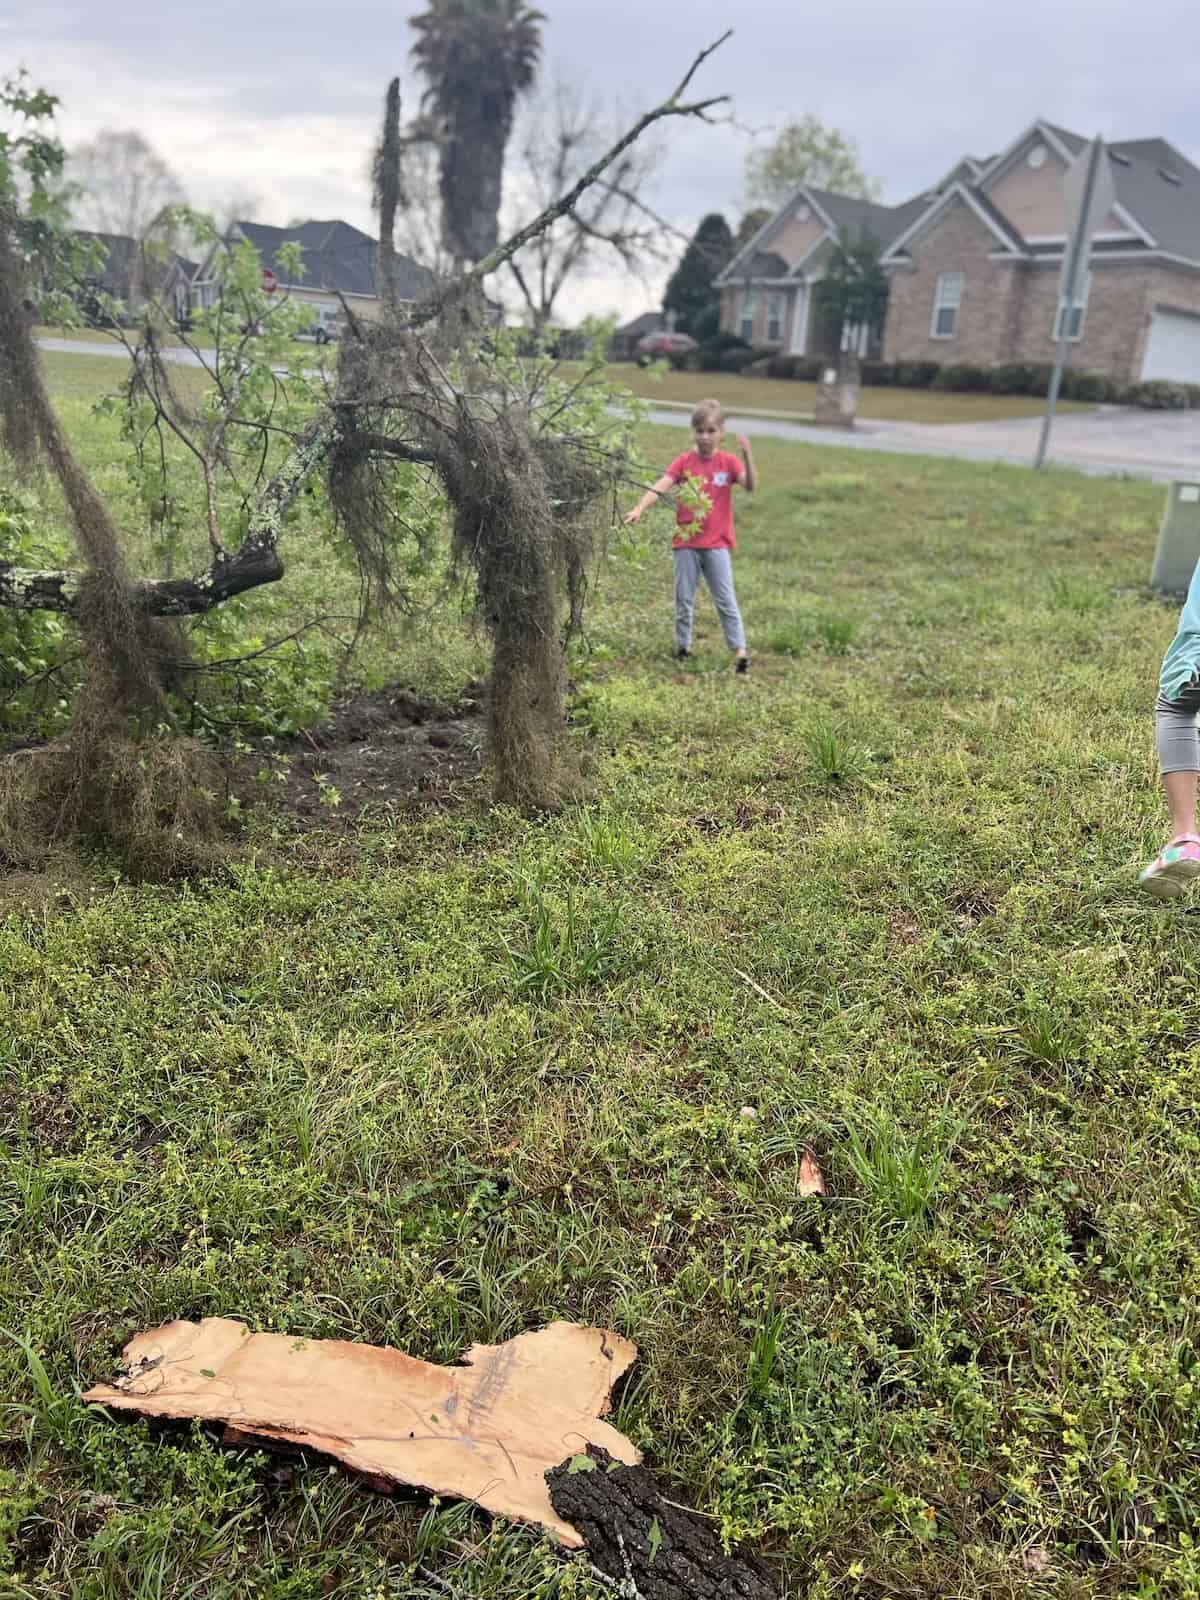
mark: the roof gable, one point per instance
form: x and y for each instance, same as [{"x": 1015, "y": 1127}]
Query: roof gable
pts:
[
  {"x": 337, "y": 257},
  {"x": 1006, "y": 236}
]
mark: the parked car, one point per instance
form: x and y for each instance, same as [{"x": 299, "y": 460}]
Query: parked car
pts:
[
  {"x": 673, "y": 347},
  {"x": 326, "y": 325}
]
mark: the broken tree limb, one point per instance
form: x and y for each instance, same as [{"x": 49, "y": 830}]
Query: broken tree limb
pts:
[
  {"x": 650, "y": 1547},
  {"x": 256, "y": 560},
  {"x": 488, "y": 1430}
]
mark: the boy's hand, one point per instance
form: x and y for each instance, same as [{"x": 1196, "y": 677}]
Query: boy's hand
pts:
[
  {"x": 743, "y": 444},
  {"x": 632, "y": 517}
]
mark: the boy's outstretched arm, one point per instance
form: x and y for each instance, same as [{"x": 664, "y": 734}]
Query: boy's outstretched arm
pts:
[
  {"x": 743, "y": 445},
  {"x": 658, "y": 487}
]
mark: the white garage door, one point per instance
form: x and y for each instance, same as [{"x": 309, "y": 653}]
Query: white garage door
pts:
[{"x": 1173, "y": 348}]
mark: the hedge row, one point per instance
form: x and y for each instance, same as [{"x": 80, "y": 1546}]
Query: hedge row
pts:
[{"x": 1015, "y": 377}]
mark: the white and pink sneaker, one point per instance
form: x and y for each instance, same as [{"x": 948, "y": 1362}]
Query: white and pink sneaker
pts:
[{"x": 1171, "y": 873}]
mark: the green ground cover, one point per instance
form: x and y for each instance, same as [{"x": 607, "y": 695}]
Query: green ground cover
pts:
[{"x": 451, "y": 1075}]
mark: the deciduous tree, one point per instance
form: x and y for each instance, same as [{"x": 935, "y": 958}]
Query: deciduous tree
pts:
[{"x": 806, "y": 151}]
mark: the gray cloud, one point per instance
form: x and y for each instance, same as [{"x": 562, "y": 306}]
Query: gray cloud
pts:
[{"x": 281, "y": 100}]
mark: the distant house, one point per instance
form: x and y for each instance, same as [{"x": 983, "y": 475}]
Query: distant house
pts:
[
  {"x": 621, "y": 345},
  {"x": 974, "y": 264},
  {"x": 340, "y": 263},
  {"x": 132, "y": 275}
]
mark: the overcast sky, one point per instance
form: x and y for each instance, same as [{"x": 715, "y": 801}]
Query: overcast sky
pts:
[{"x": 281, "y": 101}]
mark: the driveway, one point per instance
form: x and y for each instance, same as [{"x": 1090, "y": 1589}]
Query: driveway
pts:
[{"x": 1112, "y": 441}]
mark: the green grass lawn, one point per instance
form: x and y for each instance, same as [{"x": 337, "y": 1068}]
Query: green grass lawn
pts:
[
  {"x": 464, "y": 1073},
  {"x": 785, "y": 398}
]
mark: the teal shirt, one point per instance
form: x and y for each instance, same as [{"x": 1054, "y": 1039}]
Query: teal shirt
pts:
[{"x": 1182, "y": 660}]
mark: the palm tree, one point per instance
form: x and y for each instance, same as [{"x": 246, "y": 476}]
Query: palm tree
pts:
[{"x": 477, "y": 56}]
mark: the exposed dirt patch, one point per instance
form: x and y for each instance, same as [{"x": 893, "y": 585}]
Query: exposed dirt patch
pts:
[
  {"x": 906, "y": 929},
  {"x": 388, "y": 750},
  {"x": 971, "y": 906}
]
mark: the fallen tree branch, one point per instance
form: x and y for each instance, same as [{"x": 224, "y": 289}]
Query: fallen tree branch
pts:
[{"x": 255, "y": 562}]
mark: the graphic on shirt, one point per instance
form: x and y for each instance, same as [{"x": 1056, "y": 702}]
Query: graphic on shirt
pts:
[{"x": 714, "y": 476}]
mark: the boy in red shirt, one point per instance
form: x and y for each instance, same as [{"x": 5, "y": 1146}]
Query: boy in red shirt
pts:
[{"x": 708, "y": 549}]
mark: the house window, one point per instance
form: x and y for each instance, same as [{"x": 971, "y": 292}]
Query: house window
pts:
[
  {"x": 774, "y": 319},
  {"x": 746, "y": 321},
  {"x": 204, "y": 296},
  {"x": 1075, "y": 317},
  {"x": 946, "y": 301}
]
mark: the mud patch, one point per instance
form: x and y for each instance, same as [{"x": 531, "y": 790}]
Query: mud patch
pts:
[{"x": 387, "y": 751}]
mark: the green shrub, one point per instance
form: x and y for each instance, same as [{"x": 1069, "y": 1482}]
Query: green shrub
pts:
[
  {"x": 1089, "y": 386},
  {"x": 1013, "y": 377},
  {"x": 807, "y": 369},
  {"x": 712, "y": 350},
  {"x": 1157, "y": 394},
  {"x": 878, "y": 374},
  {"x": 781, "y": 367},
  {"x": 36, "y": 660},
  {"x": 736, "y": 360},
  {"x": 916, "y": 374},
  {"x": 963, "y": 378}
]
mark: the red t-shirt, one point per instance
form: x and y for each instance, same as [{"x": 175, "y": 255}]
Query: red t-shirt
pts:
[{"x": 720, "y": 472}]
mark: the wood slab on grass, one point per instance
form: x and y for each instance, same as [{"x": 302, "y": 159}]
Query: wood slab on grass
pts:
[{"x": 487, "y": 1431}]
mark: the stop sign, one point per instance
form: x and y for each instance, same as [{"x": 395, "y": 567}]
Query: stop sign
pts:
[{"x": 269, "y": 281}]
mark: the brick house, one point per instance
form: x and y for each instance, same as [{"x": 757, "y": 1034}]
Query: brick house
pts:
[{"x": 974, "y": 264}]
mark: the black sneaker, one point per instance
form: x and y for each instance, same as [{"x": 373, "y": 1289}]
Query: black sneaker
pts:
[
  {"x": 741, "y": 664},
  {"x": 682, "y": 655}
]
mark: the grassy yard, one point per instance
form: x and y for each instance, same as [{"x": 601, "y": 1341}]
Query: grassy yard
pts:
[
  {"x": 458, "y": 1073},
  {"x": 784, "y": 398}
]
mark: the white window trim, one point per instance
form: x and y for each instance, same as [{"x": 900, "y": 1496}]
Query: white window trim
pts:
[
  {"x": 1080, "y": 305},
  {"x": 748, "y": 314},
  {"x": 940, "y": 305},
  {"x": 776, "y": 307}
]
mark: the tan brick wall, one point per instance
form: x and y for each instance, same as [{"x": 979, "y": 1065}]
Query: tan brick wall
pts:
[
  {"x": 731, "y": 314},
  {"x": 1120, "y": 306},
  {"x": 958, "y": 242}
]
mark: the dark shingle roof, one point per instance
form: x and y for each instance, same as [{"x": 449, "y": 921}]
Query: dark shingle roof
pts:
[
  {"x": 337, "y": 257},
  {"x": 648, "y": 322},
  {"x": 1170, "y": 212},
  {"x": 120, "y": 252},
  {"x": 885, "y": 222}
]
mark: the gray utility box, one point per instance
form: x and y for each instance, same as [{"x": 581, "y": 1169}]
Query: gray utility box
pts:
[{"x": 1178, "y": 539}]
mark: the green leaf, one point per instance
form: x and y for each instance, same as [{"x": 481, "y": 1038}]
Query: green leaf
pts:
[
  {"x": 656, "y": 1540},
  {"x": 580, "y": 1464}
]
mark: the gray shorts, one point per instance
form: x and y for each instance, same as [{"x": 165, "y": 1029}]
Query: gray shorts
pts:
[{"x": 1175, "y": 729}]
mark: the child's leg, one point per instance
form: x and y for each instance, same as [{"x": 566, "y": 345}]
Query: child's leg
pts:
[
  {"x": 1179, "y": 761},
  {"x": 718, "y": 574},
  {"x": 687, "y": 576},
  {"x": 1179, "y": 756}
]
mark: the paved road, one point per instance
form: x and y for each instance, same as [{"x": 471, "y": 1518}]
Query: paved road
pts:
[{"x": 1110, "y": 442}]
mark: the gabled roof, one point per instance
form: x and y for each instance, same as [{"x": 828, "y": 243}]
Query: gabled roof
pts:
[
  {"x": 648, "y": 322},
  {"x": 119, "y": 253},
  {"x": 337, "y": 257},
  {"x": 836, "y": 213},
  {"x": 959, "y": 193}
]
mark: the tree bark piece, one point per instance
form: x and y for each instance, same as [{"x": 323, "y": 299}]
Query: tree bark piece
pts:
[
  {"x": 650, "y": 1548},
  {"x": 487, "y": 1431}
]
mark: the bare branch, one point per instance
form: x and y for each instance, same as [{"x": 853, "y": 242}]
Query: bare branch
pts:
[{"x": 428, "y": 310}]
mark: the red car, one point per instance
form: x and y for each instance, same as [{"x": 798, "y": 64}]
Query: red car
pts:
[{"x": 663, "y": 346}]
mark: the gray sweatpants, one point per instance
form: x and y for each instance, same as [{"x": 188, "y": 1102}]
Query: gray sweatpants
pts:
[
  {"x": 1175, "y": 730},
  {"x": 717, "y": 569}
]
